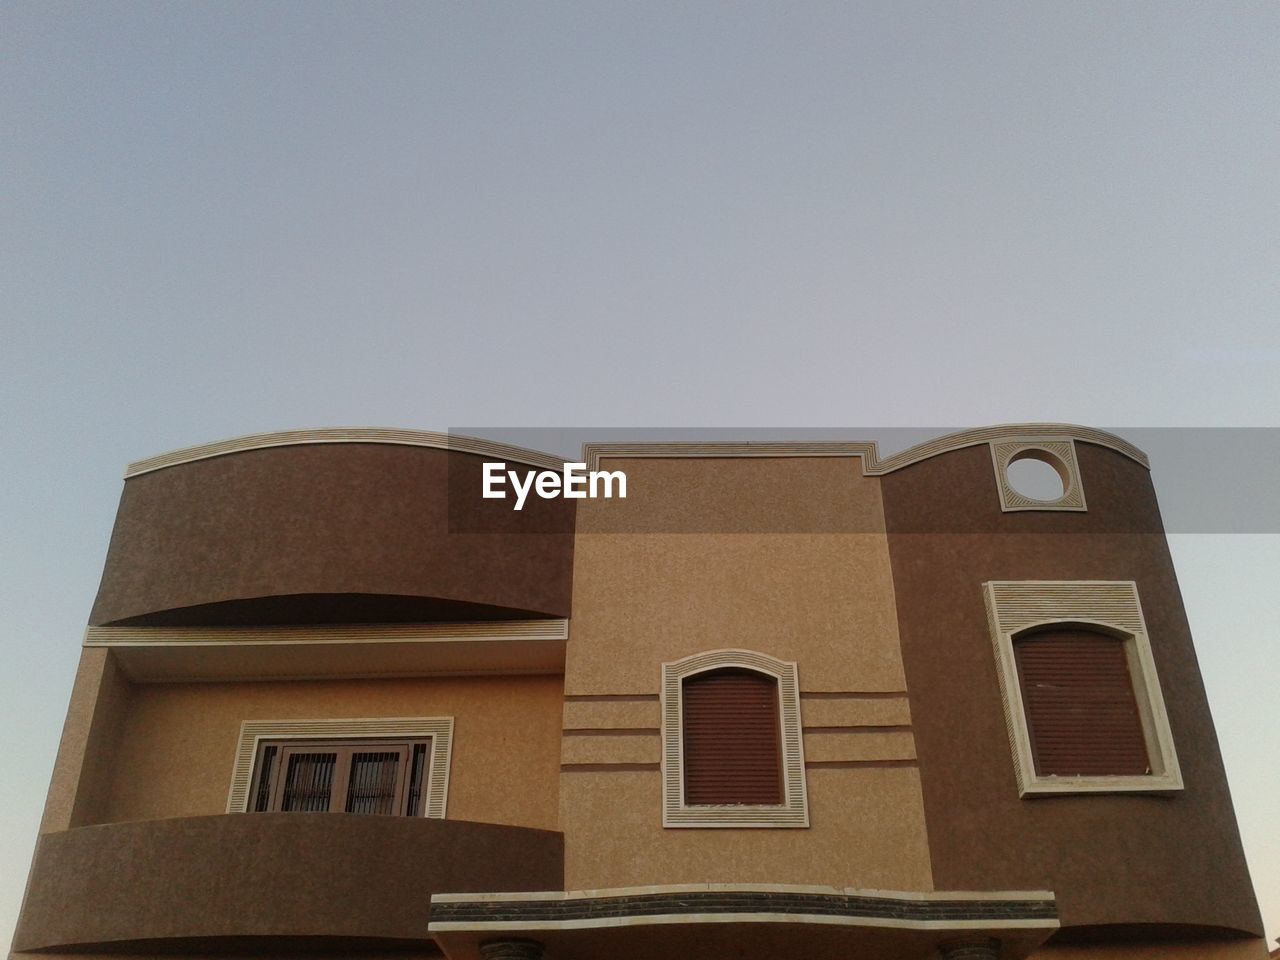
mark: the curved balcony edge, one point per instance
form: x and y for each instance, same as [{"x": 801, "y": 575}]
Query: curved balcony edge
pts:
[{"x": 334, "y": 878}]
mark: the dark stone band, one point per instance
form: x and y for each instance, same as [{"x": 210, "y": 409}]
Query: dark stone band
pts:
[{"x": 730, "y": 902}]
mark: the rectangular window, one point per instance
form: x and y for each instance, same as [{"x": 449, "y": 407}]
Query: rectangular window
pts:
[{"x": 382, "y": 777}]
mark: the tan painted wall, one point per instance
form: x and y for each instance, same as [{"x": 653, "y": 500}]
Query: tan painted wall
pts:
[
  {"x": 865, "y": 832},
  {"x": 823, "y": 599},
  {"x": 82, "y": 770},
  {"x": 819, "y": 593},
  {"x": 176, "y": 750}
]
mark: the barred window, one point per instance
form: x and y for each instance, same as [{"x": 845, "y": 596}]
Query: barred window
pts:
[{"x": 384, "y": 777}]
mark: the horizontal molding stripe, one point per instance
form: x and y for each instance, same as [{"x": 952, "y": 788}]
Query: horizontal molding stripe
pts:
[
  {"x": 609, "y": 767},
  {"x": 866, "y": 451},
  {"x": 455, "y": 443},
  {"x": 613, "y": 732},
  {"x": 851, "y": 764},
  {"x": 355, "y": 633},
  {"x": 399, "y": 674},
  {"x": 869, "y": 729}
]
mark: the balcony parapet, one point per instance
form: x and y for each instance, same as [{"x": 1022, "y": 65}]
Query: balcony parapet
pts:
[{"x": 205, "y": 883}]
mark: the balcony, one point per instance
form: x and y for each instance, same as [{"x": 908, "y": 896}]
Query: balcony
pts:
[
  {"x": 340, "y": 526},
  {"x": 269, "y": 881}
]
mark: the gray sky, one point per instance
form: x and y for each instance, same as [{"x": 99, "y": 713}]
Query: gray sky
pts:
[{"x": 225, "y": 218}]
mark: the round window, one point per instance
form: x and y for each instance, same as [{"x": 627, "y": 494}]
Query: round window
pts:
[{"x": 1037, "y": 475}]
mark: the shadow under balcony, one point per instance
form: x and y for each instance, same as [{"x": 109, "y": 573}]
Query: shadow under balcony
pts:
[{"x": 281, "y": 881}]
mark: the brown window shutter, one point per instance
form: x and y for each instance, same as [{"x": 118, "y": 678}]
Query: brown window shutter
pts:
[
  {"x": 732, "y": 742},
  {"x": 1080, "y": 706}
]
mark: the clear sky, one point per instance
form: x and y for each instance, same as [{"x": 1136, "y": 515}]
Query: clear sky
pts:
[{"x": 226, "y": 218}]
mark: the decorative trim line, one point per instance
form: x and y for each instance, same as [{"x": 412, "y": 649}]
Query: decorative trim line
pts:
[
  {"x": 794, "y": 811},
  {"x": 868, "y": 728},
  {"x": 501, "y": 630},
  {"x": 1014, "y": 607},
  {"x": 439, "y": 729},
  {"x": 855, "y": 764},
  {"x": 814, "y": 888},
  {"x": 1059, "y": 454},
  {"x": 456, "y": 443},
  {"x": 610, "y": 731},
  {"x": 720, "y": 903},
  {"x": 866, "y": 451}
]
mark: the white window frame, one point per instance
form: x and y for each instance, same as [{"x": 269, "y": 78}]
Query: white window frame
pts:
[
  {"x": 439, "y": 729},
  {"x": 1018, "y": 607},
  {"x": 794, "y": 810}
]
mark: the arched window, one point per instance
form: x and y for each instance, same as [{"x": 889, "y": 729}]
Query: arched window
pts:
[
  {"x": 732, "y": 755},
  {"x": 732, "y": 741},
  {"x": 1078, "y": 694},
  {"x": 1078, "y": 681}
]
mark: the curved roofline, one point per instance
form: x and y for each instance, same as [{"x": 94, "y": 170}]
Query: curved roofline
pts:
[
  {"x": 295, "y": 438},
  {"x": 592, "y": 453}
]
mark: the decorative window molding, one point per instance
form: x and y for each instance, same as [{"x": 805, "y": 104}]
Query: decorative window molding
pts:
[
  {"x": 438, "y": 729},
  {"x": 1057, "y": 453},
  {"x": 794, "y": 810},
  {"x": 1016, "y": 608}
]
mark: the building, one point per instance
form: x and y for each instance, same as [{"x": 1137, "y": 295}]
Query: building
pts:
[{"x": 781, "y": 700}]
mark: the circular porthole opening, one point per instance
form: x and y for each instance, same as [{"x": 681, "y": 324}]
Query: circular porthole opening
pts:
[{"x": 1037, "y": 475}]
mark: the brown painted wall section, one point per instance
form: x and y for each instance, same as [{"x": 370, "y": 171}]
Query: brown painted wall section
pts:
[
  {"x": 1109, "y": 859},
  {"x": 177, "y": 742},
  {"x": 331, "y": 532},
  {"x": 262, "y": 876}
]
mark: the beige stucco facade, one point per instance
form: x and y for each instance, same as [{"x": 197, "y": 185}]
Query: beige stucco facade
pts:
[{"x": 652, "y": 585}]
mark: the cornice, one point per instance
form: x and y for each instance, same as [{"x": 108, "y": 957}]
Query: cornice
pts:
[
  {"x": 867, "y": 452},
  {"x": 873, "y": 465},
  {"x": 456, "y": 443}
]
